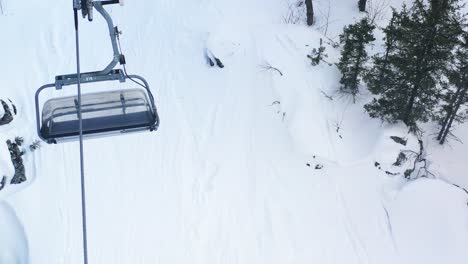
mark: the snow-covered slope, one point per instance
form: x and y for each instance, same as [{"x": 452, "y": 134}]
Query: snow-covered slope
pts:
[
  {"x": 249, "y": 165},
  {"x": 14, "y": 246}
]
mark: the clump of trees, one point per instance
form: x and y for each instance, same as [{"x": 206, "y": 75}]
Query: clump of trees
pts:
[
  {"x": 422, "y": 75},
  {"x": 420, "y": 44}
]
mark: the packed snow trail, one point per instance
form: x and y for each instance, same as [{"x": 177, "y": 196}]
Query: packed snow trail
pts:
[{"x": 225, "y": 179}]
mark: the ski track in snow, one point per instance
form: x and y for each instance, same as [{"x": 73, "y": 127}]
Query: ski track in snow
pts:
[{"x": 224, "y": 180}]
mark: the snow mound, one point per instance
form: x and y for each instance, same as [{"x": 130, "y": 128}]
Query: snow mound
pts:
[{"x": 430, "y": 223}]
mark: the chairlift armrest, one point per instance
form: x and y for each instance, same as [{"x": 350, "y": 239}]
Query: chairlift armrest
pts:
[{"x": 89, "y": 77}]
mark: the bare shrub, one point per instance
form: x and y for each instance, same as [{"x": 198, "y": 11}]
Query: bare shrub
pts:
[
  {"x": 325, "y": 17},
  {"x": 266, "y": 66},
  {"x": 377, "y": 10},
  {"x": 295, "y": 13}
]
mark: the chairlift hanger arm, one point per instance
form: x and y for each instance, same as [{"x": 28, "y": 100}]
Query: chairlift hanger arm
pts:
[
  {"x": 87, "y": 7},
  {"x": 113, "y": 32},
  {"x": 78, "y": 4}
]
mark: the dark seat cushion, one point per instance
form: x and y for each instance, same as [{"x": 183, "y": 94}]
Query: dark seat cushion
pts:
[{"x": 98, "y": 125}]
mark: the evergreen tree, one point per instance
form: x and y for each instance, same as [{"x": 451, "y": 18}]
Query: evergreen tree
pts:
[
  {"x": 457, "y": 97},
  {"x": 354, "y": 56},
  {"x": 318, "y": 55},
  {"x": 380, "y": 73},
  {"x": 386, "y": 78},
  {"x": 423, "y": 38}
]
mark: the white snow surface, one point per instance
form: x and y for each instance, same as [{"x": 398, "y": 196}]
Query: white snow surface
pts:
[
  {"x": 230, "y": 176},
  {"x": 13, "y": 242},
  {"x": 412, "y": 215}
]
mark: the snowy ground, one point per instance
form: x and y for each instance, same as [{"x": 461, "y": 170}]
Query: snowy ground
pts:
[
  {"x": 230, "y": 176},
  {"x": 14, "y": 246}
]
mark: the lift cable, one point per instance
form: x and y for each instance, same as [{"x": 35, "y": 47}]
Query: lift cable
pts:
[{"x": 83, "y": 190}]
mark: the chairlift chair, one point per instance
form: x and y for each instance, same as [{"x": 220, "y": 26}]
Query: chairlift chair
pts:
[{"x": 103, "y": 113}]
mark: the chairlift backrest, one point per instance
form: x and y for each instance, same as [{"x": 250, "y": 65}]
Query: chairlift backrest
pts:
[{"x": 103, "y": 112}]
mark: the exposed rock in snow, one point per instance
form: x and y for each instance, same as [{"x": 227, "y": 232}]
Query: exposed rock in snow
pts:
[
  {"x": 16, "y": 157},
  {"x": 399, "y": 140},
  {"x": 2, "y": 111},
  {"x": 2, "y": 182},
  {"x": 6, "y": 166},
  {"x": 7, "y": 113}
]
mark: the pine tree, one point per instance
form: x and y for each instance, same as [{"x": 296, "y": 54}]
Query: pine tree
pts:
[
  {"x": 318, "y": 55},
  {"x": 386, "y": 78},
  {"x": 424, "y": 37},
  {"x": 354, "y": 56},
  {"x": 381, "y": 72},
  {"x": 456, "y": 98}
]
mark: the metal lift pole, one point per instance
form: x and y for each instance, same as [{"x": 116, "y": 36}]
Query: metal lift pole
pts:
[{"x": 83, "y": 189}]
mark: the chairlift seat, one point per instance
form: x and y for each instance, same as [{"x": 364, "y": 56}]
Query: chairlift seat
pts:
[{"x": 102, "y": 112}]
